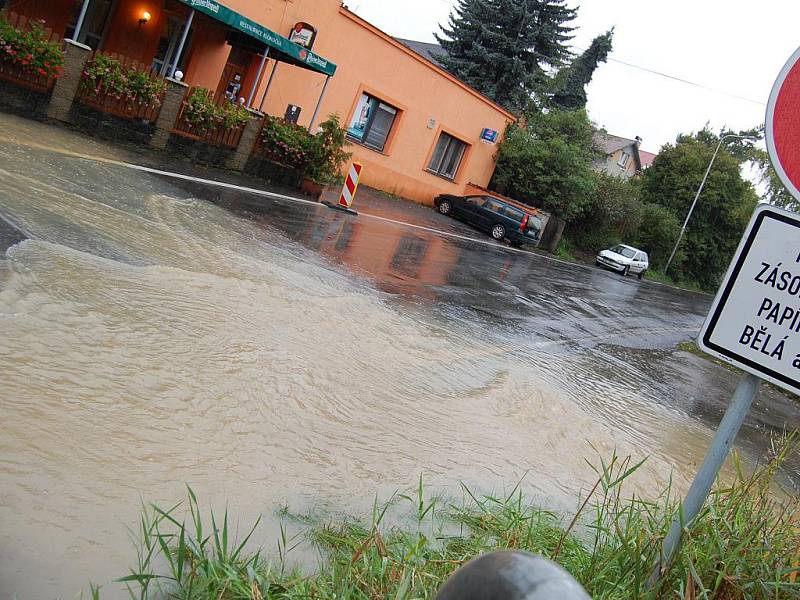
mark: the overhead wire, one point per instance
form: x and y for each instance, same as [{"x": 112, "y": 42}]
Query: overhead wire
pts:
[{"x": 658, "y": 73}]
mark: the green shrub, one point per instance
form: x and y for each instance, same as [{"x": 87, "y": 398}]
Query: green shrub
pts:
[
  {"x": 30, "y": 49},
  {"x": 546, "y": 161},
  {"x": 104, "y": 74},
  {"x": 614, "y": 215},
  {"x": 327, "y": 152},
  {"x": 565, "y": 250},
  {"x": 657, "y": 235},
  {"x": 319, "y": 157},
  {"x": 286, "y": 143},
  {"x": 202, "y": 112}
]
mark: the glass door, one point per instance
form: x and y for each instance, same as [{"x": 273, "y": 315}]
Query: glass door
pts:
[
  {"x": 95, "y": 22},
  {"x": 165, "y": 58}
]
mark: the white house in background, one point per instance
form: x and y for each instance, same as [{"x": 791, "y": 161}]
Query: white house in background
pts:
[{"x": 621, "y": 156}]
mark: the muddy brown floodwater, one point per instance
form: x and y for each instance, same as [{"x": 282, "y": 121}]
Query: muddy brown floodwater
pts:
[{"x": 156, "y": 333}]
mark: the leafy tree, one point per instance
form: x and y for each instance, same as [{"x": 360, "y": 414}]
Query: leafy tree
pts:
[
  {"x": 656, "y": 235},
  {"x": 721, "y": 212},
  {"x": 613, "y": 214},
  {"x": 748, "y": 150},
  {"x": 546, "y": 162},
  {"x": 571, "y": 81},
  {"x": 505, "y": 48}
]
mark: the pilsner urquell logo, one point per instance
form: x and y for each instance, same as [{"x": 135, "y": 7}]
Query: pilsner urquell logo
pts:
[
  {"x": 316, "y": 60},
  {"x": 213, "y": 7}
]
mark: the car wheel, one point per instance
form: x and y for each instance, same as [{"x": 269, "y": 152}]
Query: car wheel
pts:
[
  {"x": 625, "y": 271},
  {"x": 498, "y": 232},
  {"x": 641, "y": 273},
  {"x": 444, "y": 207}
]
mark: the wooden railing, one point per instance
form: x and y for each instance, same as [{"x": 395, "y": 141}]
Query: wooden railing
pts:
[
  {"x": 120, "y": 106},
  {"x": 219, "y": 136},
  {"x": 19, "y": 74}
]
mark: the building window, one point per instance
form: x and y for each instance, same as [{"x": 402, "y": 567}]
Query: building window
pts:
[
  {"x": 372, "y": 122},
  {"x": 623, "y": 160},
  {"x": 447, "y": 156}
]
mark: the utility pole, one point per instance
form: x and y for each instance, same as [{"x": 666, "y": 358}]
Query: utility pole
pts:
[{"x": 697, "y": 195}]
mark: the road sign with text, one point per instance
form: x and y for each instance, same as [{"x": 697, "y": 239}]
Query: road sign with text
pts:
[
  {"x": 754, "y": 321},
  {"x": 782, "y": 126}
]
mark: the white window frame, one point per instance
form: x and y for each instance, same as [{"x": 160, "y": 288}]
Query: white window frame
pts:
[{"x": 624, "y": 160}]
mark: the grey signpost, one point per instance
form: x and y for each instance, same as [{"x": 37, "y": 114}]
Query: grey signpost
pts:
[
  {"x": 754, "y": 321},
  {"x": 754, "y": 324}
]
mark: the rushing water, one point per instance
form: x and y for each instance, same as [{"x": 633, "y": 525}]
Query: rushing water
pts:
[{"x": 271, "y": 352}]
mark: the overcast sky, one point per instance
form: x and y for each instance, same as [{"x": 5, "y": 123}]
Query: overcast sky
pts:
[{"x": 734, "y": 49}]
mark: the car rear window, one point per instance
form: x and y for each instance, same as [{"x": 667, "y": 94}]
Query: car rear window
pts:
[{"x": 534, "y": 224}]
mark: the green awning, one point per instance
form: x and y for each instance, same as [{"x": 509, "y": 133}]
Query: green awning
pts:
[{"x": 297, "y": 54}]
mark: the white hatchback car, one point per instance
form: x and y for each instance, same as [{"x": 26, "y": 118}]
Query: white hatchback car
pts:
[{"x": 624, "y": 259}]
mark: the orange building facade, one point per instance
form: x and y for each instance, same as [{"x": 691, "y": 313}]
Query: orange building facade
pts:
[{"x": 417, "y": 130}]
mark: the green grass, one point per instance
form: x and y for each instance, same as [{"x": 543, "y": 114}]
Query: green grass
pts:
[
  {"x": 566, "y": 251},
  {"x": 745, "y": 544},
  {"x": 659, "y": 276}
]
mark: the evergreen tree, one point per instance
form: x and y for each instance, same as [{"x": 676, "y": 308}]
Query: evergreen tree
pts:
[
  {"x": 572, "y": 81},
  {"x": 504, "y": 48}
]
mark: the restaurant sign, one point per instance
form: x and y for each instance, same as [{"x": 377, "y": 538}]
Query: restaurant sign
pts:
[
  {"x": 221, "y": 13},
  {"x": 303, "y": 35}
]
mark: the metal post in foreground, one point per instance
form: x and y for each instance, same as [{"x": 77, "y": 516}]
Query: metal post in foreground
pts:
[
  {"x": 319, "y": 102},
  {"x": 269, "y": 85},
  {"x": 697, "y": 195},
  {"x": 258, "y": 79},
  {"x": 511, "y": 575},
  {"x": 701, "y": 486},
  {"x": 181, "y": 44},
  {"x": 79, "y": 24}
]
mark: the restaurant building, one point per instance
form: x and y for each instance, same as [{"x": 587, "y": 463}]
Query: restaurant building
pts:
[{"x": 417, "y": 130}]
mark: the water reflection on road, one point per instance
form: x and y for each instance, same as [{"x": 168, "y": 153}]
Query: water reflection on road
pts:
[{"x": 156, "y": 333}]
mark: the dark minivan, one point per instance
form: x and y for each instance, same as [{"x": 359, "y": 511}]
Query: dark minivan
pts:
[{"x": 498, "y": 218}]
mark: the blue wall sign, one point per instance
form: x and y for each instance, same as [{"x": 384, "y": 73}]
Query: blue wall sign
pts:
[{"x": 489, "y": 135}]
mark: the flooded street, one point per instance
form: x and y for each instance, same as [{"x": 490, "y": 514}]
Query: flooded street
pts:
[{"x": 157, "y": 332}]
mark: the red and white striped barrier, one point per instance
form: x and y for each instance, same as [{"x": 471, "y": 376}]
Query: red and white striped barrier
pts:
[{"x": 350, "y": 185}]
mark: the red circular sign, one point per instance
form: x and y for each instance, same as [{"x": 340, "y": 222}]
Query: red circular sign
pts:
[{"x": 783, "y": 125}]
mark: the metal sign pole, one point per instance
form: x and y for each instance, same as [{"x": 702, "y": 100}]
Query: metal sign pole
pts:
[
  {"x": 701, "y": 486},
  {"x": 258, "y": 79},
  {"x": 319, "y": 103},
  {"x": 269, "y": 85}
]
